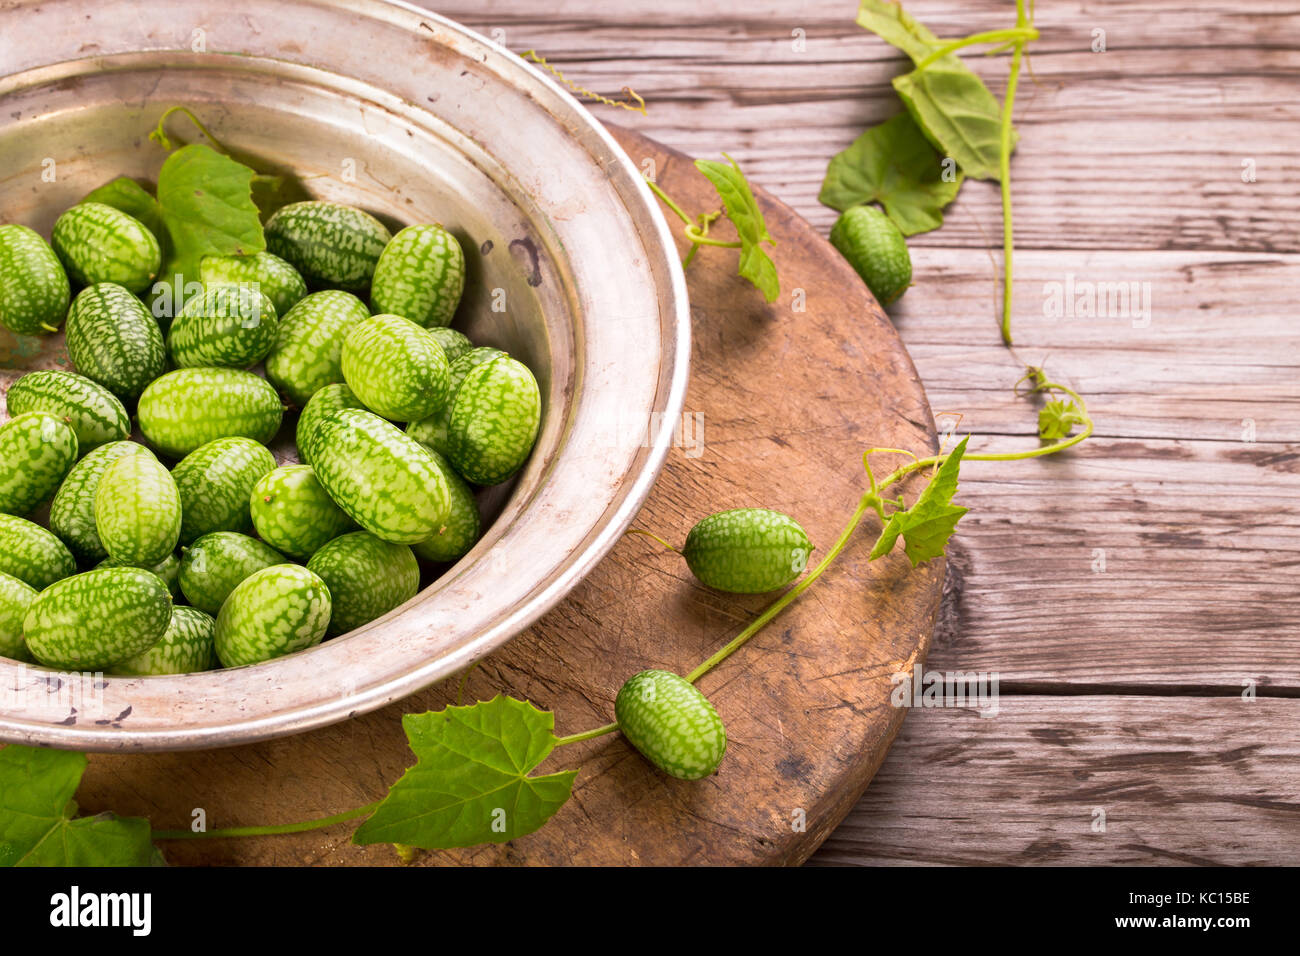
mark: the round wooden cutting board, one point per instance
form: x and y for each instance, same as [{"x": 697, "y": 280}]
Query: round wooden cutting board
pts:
[{"x": 783, "y": 401}]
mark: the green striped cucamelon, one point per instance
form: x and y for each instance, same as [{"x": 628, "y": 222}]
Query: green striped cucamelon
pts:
[
  {"x": 34, "y": 289},
  {"x": 138, "y": 511},
  {"x": 386, "y": 482},
  {"x": 98, "y": 243},
  {"x": 214, "y": 482},
  {"x": 454, "y": 344},
  {"x": 308, "y": 352},
  {"x": 95, "y": 414},
  {"x": 186, "y": 647},
  {"x": 113, "y": 340},
  {"x": 185, "y": 409},
  {"x": 463, "y": 525},
  {"x": 37, "y": 451},
  {"x": 16, "y": 599},
  {"x": 91, "y": 621},
  {"x": 33, "y": 555},
  {"x": 214, "y": 565},
  {"x": 432, "y": 431},
  {"x": 366, "y": 578},
  {"x": 228, "y": 326},
  {"x": 329, "y": 399},
  {"x": 876, "y": 249},
  {"x": 494, "y": 421},
  {"x": 275, "y": 278},
  {"x": 420, "y": 276},
  {"x": 396, "y": 368},
  {"x": 330, "y": 244},
  {"x": 671, "y": 723},
  {"x": 72, "y": 513},
  {"x": 168, "y": 570},
  {"x": 274, "y": 612},
  {"x": 747, "y": 550},
  {"x": 293, "y": 514}
]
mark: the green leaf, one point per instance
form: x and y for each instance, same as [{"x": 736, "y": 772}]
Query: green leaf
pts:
[
  {"x": 1056, "y": 419},
  {"x": 928, "y": 524},
  {"x": 207, "y": 205},
  {"x": 37, "y": 826},
  {"x": 894, "y": 25},
  {"x": 895, "y": 165},
  {"x": 134, "y": 200},
  {"x": 471, "y": 782},
  {"x": 742, "y": 209},
  {"x": 958, "y": 114},
  {"x": 950, "y": 104}
]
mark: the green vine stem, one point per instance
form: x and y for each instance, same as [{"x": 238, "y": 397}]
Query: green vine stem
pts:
[
  {"x": 1004, "y": 169},
  {"x": 1021, "y": 34},
  {"x": 159, "y": 135}
]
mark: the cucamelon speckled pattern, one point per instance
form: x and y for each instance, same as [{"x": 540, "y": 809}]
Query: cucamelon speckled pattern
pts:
[
  {"x": 32, "y": 554},
  {"x": 91, "y": 621},
  {"x": 186, "y": 647},
  {"x": 94, "y": 413},
  {"x": 420, "y": 276},
  {"x": 388, "y": 483},
  {"x": 277, "y": 611},
  {"x": 396, "y": 368},
  {"x": 366, "y": 578},
  {"x": 16, "y": 599},
  {"x": 329, "y": 399},
  {"x": 330, "y": 244},
  {"x": 37, "y": 451},
  {"x": 432, "y": 431},
  {"x": 293, "y": 513},
  {"x": 494, "y": 421},
  {"x": 97, "y": 243},
  {"x": 454, "y": 344},
  {"x": 671, "y": 723},
  {"x": 747, "y": 550},
  {"x": 277, "y": 280},
  {"x": 463, "y": 525},
  {"x": 72, "y": 513},
  {"x": 113, "y": 340},
  {"x": 185, "y": 409},
  {"x": 215, "y": 481},
  {"x": 34, "y": 289},
  {"x": 168, "y": 569},
  {"x": 138, "y": 511},
  {"x": 214, "y": 565},
  {"x": 228, "y": 326},
  {"x": 876, "y": 249},
  {"x": 308, "y": 353}
]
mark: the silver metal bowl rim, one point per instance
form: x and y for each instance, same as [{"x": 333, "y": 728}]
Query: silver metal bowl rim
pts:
[{"x": 650, "y": 222}]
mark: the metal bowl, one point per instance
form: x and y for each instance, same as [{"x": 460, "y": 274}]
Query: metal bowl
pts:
[{"x": 417, "y": 119}]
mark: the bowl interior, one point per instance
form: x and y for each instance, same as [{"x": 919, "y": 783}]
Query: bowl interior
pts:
[{"x": 570, "y": 269}]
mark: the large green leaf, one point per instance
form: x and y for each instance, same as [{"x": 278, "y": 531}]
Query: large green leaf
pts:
[
  {"x": 471, "y": 782},
  {"x": 951, "y": 104},
  {"x": 895, "y": 165},
  {"x": 957, "y": 113},
  {"x": 38, "y": 826},
  {"x": 207, "y": 205}
]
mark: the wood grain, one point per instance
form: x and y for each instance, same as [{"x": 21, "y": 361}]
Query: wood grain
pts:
[
  {"x": 788, "y": 399},
  {"x": 1204, "y": 781},
  {"x": 1130, "y": 168}
]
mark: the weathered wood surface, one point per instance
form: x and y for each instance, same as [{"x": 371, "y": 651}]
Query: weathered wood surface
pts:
[
  {"x": 1130, "y": 169},
  {"x": 1097, "y": 780},
  {"x": 807, "y": 703}
]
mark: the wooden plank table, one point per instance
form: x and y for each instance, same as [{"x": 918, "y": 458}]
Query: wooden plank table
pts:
[{"x": 1139, "y": 599}]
